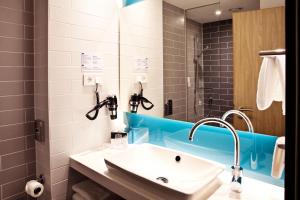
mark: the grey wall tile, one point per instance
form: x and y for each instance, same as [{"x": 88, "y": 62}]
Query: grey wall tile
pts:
[
  {"x": 16, "y": 131},
  {"x": 11, "y": 30},
  {"x": 13, "y": 188},
  {"x": 11, "y": 59},
  {"x": 12, "y": 145},
  {"x": 12, "y": 117},
  {"x": 11, "y": 88},
  {"x": 174, "y": 60},
  {"x": 16, "y": 102},
  {"x": 13, "y": 4},
  {"x": 16, "y": 73},
  {"x": 17, "y": 153},
  {"x": 18, "y": 158},
  {"x": 221, "y": 53},
  {"x": 12, "y": 174}
]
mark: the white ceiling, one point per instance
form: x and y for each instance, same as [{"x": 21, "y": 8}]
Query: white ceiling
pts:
[{"x": 206, "y": 13}]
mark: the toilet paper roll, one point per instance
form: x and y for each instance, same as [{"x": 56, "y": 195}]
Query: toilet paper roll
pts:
[{"x": 34, "y": 188}]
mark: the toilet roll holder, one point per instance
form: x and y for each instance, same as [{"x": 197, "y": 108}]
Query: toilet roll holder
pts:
[{"x": 41, "y": 179}]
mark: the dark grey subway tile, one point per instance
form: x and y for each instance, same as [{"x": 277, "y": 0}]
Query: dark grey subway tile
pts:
[
  {"x": 12, "y": 4},
  {"x": 16, "y": 16},
  {"x": 16, "y": 102},
  {"x": 29, "y": 115},
  {"x": 28, "y": 32},
  {"x": 11, "y": 88},
  {"x": 16, "y": 45},
  {"x": 11, "y": 59},
  {"x": 18, "y": 158},
  {"x": 12, "y": 117},
  {"x": 29, "y": 5},
  {"x": 16, "y": 130},
  {"x": 13, "y": 188},
  {"x": 12, "y": 145},
  {"x": 11, "y": 30},
  {"x": 12, "y": 174},
  {"x": 16, "y": 73},
  {"x": 31, "y": 169}
]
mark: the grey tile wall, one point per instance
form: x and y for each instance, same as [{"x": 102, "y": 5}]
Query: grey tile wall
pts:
[
  {"x": 174, "y": 60},
  {"x": 218, "y": 69},
  {"x": 17, "y": 148},
  {"x": 41, "y": 91}
]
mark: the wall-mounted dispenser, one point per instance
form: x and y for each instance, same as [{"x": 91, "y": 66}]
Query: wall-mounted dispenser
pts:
[
  {"x": 278, "y": 158},
  {"x": 35, "y": 188},
  {"x": 137, "y": 99},
  {"x": 110, "y": 102}
]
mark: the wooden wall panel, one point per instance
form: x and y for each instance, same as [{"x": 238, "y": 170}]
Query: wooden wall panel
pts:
[{"x": 254, "y": 31}]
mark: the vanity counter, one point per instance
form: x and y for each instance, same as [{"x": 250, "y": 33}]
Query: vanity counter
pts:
[{"x": 92, "y": 165}]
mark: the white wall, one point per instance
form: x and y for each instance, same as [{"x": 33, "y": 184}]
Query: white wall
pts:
[
  {"x": 77, "y": 26},
  {"x": 142, "y": 36},
  {"x": 271, "y": 3}
]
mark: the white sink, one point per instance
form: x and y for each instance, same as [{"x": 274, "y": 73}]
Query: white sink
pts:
[{"x": 184, "y": 175}]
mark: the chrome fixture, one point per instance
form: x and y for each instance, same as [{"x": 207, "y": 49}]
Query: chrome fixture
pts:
[
  {"x": 242, "y": 115},
  {"x": 236, "y": 168},
  {"x": 253, "y": 156}
]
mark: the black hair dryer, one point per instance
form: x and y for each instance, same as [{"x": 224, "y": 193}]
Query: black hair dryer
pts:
[
  {"x": 137, "y": 99},
  {"x": 110, "y": 102},
  {"x": 112, "y": 106}
]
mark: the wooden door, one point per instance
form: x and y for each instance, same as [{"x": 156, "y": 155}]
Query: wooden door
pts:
[{"x": 254, "y": 31}]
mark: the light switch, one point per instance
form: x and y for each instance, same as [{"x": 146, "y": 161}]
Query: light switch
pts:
[
  {"x": 141, "y": 78},
  {"x": 92, "y": 79}
]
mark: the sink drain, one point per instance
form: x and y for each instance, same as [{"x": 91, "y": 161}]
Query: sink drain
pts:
[{"x": 163, "y": 179}]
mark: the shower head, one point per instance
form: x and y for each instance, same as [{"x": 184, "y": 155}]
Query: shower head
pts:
[{"x": 204, "y": 49}]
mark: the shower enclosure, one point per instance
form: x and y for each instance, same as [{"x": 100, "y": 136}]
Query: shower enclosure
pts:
[{"x": 204, "y": 85}]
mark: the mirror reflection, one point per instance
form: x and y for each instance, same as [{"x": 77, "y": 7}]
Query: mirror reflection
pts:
[{"x": 200, "y": 59}]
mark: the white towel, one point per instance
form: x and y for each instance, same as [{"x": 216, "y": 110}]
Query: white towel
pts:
[
  {"x": 271, "y": 82},
  {"x": 90, "y": 190},
  {"x": 77, "y": 196}
]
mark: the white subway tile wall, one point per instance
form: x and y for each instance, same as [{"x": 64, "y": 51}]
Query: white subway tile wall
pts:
[
  {"x": 77, "y": 26},
  {"x": 142, "y": 37},
  {"x": 73, "y": 27}
]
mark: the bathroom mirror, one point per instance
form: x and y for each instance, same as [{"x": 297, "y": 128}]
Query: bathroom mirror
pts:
[{"x": 200, "y": 58}]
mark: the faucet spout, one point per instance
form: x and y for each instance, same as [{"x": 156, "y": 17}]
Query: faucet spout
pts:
[
  {"x": 242, "y": 115},
  {"x": 236, "y": 169},
  {"x": 225, "y": 124}
]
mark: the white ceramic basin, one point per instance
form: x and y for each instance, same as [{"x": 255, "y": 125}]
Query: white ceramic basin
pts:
[{"x": 184, "y": 175}]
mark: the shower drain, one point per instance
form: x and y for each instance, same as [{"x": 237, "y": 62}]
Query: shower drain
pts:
[{"x": 163, "y": 179}]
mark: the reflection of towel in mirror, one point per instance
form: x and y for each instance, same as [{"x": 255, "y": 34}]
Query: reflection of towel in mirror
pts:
[
  {"x": 77, "y": 196},
  {"x": 271, "y": 82},
  {"x": 89, "y": 190}
]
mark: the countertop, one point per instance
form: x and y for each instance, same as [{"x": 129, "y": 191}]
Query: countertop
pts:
[{"x": 92, "y": 165}]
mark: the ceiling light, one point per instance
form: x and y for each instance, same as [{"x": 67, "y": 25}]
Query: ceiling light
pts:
[{"x": 218, "y": 12}]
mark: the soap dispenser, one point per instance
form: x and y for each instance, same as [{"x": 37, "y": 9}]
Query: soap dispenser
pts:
[{"x": 278, "y": 158}]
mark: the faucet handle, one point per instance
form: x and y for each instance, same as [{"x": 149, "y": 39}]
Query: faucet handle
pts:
[{"x": 236, "y": 182}]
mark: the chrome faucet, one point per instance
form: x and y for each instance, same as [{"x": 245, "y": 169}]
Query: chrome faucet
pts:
[
  {"x": 242, "y": 115},
  {"x": 236, "y": 168},
  {"x": 253, "y": 155}
]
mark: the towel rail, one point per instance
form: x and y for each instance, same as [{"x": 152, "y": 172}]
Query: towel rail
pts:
[{"x": 272, "y": 52}]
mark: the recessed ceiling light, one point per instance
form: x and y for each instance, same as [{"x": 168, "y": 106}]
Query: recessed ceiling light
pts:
[{"x": 218, "y": 12}]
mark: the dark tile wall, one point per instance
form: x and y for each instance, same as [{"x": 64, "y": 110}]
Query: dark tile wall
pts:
[
  {"x": 174, "y": 60},
  {"x": 17, "y": 147},
  {"x": 218, "y": 69}
]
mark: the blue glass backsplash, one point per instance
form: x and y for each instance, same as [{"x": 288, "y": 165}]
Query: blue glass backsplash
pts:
[
  {"x": 209, "y": 142},
  {"x": 129, "y": 2}
]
